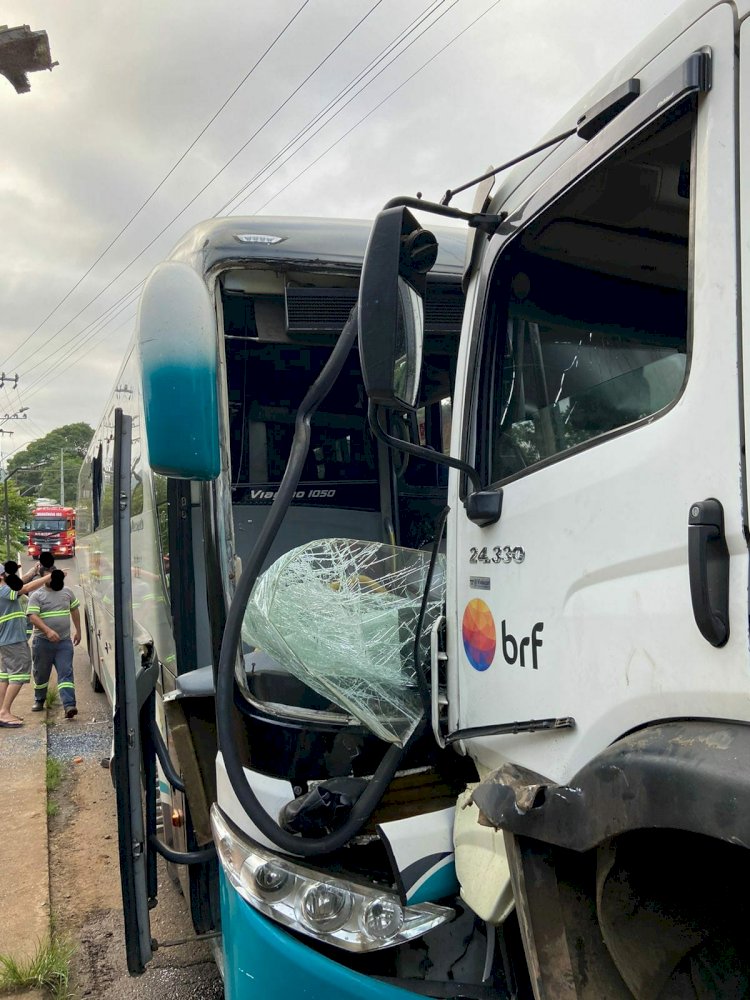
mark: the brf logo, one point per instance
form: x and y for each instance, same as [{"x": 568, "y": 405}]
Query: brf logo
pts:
[
  {"x": 478, "y": 630},
  {"x": 515, "y": 649},
  {"x": 480, "y": 639}
]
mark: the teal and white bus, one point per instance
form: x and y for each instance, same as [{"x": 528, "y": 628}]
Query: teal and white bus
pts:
[{"x": 232, "y": 331}]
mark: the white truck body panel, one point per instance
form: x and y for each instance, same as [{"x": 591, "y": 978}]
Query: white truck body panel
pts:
[{"x": 605, "y": 529}]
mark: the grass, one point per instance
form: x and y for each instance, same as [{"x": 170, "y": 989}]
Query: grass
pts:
[
  {"x": 47, "y": 969},
  {"x": 52, "y": 808},
  {"x": 51, "y": 698},
  {"x": 55, "y": 774}
]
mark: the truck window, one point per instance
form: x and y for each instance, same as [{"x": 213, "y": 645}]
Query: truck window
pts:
[{"x": 587, "y": 329}]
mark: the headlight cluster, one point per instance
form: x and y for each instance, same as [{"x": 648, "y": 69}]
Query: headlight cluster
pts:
[{"x": 339, "y": 912}]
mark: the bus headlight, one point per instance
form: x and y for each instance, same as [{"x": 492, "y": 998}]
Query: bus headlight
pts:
[
  {"x": 273, "y": 881},
  {"x": 326, "y": 906},
  {"x": 382, "y": 918},
  {"x": 340, "y": 912}
]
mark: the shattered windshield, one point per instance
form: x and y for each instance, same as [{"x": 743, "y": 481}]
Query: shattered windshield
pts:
[{"x": 341, "y": 615}]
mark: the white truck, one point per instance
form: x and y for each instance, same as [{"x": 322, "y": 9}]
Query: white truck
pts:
[{"x": 595, "y": 662}]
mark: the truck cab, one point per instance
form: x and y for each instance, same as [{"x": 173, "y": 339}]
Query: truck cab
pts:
[
  {"x": 596, "y": 626},
  {"x": 52, "y": 529}
]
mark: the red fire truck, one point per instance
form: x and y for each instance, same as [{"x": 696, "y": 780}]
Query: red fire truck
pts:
[{"x": 53, "y": 529}]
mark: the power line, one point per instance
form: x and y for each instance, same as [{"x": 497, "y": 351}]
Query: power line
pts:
[
  {"x": 104, "y": 320},
  {"x": 430, "y": 9},
  {"x": 222, "y": 169},
  {"x": 337, "y": 113},
  {"x": 337, "y": 141},
  {"x": 377, "y": 106},
  {"x": 67, "y": 345},
  {"x": 163, "y": 181},
  {"x": 74, "y": 360},
  {"x": 358, "y": 78}
]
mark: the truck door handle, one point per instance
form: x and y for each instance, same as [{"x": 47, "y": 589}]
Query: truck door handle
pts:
[{"x": 708, "y": 560}]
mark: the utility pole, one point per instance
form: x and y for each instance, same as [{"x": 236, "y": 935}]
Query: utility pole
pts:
[
  {"x": 62, "y": 478},
  {"x": 8, "y": 475},
  {"x": 9, "y": 379}
]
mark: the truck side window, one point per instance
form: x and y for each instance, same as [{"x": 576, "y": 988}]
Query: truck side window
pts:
[{"x": 587, "y": 329}]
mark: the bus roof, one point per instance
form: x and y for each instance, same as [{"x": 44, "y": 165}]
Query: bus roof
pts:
[{"x": 296, "y": 240}]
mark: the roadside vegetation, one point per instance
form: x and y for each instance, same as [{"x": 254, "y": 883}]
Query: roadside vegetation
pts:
[
  {"x": 48, "y": 969},
  {"x": 55, "y": 774}
]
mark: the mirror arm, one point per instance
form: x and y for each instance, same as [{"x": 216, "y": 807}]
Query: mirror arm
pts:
[
  {"x": 373, "y": 416},
  {"x": 477, "y": 220}
]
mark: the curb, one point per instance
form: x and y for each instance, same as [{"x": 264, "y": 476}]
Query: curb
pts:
[{"x": 23, "y": 805}]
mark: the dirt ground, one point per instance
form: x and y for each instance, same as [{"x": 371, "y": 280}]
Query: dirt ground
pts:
[{"x": 84, "y": 872}]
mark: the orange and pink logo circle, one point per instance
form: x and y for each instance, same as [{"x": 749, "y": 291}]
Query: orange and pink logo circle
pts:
[{"x": 480, "y": 640}]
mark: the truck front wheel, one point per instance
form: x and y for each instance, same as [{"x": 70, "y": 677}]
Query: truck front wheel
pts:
[{"x": 671, "y": 914}]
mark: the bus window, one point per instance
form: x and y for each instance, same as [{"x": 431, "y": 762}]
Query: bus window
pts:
[
  {"x": 161, "y": 504},
  {"x": 266, "y": 386}
]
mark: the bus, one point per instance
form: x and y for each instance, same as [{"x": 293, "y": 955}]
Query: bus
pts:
[
  {"x": 52, "y": 529},
  {"x": 176, "y": 488}
]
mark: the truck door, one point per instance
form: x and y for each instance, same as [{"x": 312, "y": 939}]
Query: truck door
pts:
[
  {"x": 603, "y": 398},
  {"x": 131, "y": 829}
]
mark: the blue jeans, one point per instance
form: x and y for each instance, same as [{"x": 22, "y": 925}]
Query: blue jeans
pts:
[{"x": 45, "y": 655}]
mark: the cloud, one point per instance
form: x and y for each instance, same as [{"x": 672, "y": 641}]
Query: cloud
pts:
[{"x": 138, "y": 80}]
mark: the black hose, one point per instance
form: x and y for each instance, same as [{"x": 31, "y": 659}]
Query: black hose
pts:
[{"x": 365, "y": 805}]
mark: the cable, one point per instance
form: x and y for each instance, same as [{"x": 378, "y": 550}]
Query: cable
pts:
[
  {"x": 376, "y": 108},
  {"x": 225, "y": 680},
  {"x": 217, "y": 174},
  {"x": 342, "y": 93},
  {"x": 329, "y": 148},
  {"x": 164, "y": 179},
  {"x": 40, "y": 384},
  {"x": 67, "y": 346}
]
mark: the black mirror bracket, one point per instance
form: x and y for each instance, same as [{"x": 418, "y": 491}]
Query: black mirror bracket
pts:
[
  {"x": 477, "y": 220},
  {"x": 484, "y": 507},
  {"x": 373, "y": 416}
]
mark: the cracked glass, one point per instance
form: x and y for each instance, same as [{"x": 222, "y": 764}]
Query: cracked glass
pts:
[{"x": 341, "y": 615}]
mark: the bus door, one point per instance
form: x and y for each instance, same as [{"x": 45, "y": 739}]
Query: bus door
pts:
[
  {"x": 137, "y": 738},
  {"x": 131, "y": 828}
]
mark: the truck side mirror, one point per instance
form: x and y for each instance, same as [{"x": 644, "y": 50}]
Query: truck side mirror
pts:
[
  {"x": 391, "y": 307},
  {"x": 178, "y": 356}
]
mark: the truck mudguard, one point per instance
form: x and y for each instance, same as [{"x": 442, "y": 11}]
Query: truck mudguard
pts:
[{"x": 691, "y": 775}]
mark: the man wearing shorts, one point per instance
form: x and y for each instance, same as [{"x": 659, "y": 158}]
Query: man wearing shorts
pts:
[
  {"x": 50, "y": 611},
  {"x": 15, "y": 657}
]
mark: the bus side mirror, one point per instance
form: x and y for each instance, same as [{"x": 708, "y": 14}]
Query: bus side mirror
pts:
[
  {"x": 391, "y": 307},
  {"x": 178, "y": 355}
]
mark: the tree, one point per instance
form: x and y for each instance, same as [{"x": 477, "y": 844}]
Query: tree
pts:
[
  {"x": 72, "y": 440},
  {"x": 19, "y": 510}
]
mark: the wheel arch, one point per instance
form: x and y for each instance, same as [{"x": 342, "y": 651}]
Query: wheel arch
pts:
[{"x": 691, "y": 775}]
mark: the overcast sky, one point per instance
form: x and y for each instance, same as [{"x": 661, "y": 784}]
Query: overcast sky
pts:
[{"x": 139, "y": 81}]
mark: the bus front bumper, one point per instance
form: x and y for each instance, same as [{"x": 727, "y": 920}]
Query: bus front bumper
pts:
[{"x": 262, "y": 959}]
